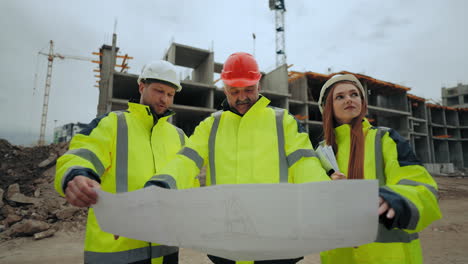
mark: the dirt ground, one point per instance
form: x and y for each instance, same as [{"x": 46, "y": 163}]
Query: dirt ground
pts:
[{"x": 445, "y": 241}]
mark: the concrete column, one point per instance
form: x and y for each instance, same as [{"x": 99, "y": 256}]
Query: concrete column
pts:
[
  {"x": 276, "y": 80},
  {"x": 171, "y": 54},
  {"x": 204, "y": 72},
  {"x": 106, "y": 72}
]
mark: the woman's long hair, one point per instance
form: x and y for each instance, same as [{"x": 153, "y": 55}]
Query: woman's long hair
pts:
[{"x": 356, "y": 155}]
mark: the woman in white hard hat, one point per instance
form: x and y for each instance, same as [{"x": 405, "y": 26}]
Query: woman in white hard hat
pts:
[{"x": 408, "y": 199}]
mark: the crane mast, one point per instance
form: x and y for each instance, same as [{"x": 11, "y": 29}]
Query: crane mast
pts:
[
  {"x": 279, "y": 8},
  {"x": 45, "y": 105}
]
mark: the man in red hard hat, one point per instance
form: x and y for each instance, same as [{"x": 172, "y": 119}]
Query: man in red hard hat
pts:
[
  {"x": 241, "y": 78},
  {"x": 246, "y": 142}
]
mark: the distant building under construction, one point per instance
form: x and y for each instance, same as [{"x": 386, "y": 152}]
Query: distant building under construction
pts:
[
  {"x": 456, "y": 96},
  {"x": 438, "y": 134}
]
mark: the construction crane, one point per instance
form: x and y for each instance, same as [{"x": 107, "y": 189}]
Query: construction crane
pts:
[
  {"x": 45, "y": 106},
  {"x": 279, "y": 8}
]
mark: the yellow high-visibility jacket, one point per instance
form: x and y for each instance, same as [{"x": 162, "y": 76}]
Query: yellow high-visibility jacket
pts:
[
  {"x": 121, "y": 150},
  {"x": 405, "y": 185},
  {"x": 262, "y": 146}
]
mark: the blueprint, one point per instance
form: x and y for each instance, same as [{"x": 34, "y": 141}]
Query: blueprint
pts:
[{"x": 248, "y": 221}]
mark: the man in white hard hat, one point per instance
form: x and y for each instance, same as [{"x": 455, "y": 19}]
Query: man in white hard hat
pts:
[{"x": 119, "y": 152}]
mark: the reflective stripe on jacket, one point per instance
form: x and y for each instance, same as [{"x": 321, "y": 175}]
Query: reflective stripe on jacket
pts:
[
  {"x": 390, "y": 159},
  {"x": 263, "y": 146},
  {"x": 123, "y": 149}
]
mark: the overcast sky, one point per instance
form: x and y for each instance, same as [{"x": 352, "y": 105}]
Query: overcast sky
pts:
[{"x": 419, "y": 44}]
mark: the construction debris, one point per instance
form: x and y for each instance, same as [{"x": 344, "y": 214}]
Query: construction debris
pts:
[
  {"x": 51, "y": 159},
  {"x": 14, "y": 195},
  {"x": 1, "y": 197},
  {"x": 45, "y": 234},
  {"x": 28, "y": 228},
  {"x": 29, "y": 205}
]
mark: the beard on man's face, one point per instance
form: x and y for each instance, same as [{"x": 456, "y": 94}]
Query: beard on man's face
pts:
[
  {"x": 153, "y": 111},
  {"x": 241, "y": 102},
  {"x": 152, "y": 108}
]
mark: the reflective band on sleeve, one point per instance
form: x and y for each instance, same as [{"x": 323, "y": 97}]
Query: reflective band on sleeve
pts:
[
  {"x": 211, "y": 146},
  {"x": 415, "y": 183},
  {"x": 385, "y": 235},
  {"x": 193, "y": 155},
  {"x": 128, "y": 256},
  {"x": 89, "y": 156},
  {"x": 165, "y": 178},
  {"x": 181, "y": 136},
  {"x": 298, "y": 154},
  {"x": 121, "y": 167},
  {"x": 283, "y": 163},
  {"x": 162, "y": 250}
]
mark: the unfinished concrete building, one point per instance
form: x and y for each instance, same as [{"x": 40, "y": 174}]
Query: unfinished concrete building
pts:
[
  {"x": 199, "y": 96},
  {"x": 448, "y": 129},
  {"x": 456, "y": 96},
  {"x": 439, "y": 135}
]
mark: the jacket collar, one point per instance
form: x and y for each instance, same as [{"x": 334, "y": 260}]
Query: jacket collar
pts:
[
  {"x": 344, "y": 130},
  {"x": 144, "y": 113},
  {"x": 261, "y": 103}
]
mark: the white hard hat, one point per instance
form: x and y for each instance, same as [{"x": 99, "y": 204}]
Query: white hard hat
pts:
[
  {"x": 334, "y": 79},
  {"x": 160, "y": 70}
]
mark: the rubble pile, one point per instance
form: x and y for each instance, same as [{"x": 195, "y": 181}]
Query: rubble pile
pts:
[{"x": 29, "y": 204}]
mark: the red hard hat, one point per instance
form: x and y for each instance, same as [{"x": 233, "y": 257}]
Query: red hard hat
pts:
[{"x": 240, "y": 70}]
